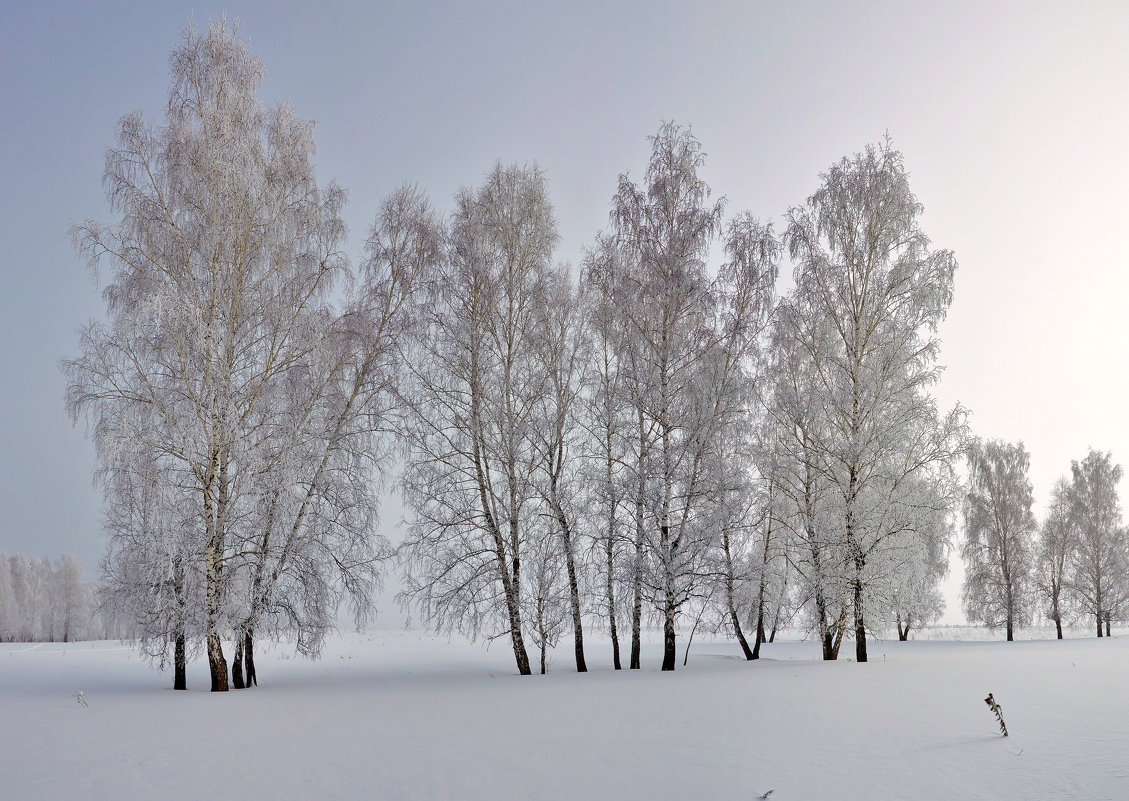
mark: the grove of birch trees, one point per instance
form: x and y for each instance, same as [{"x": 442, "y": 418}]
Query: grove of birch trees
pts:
[{"x": 657, "y": 436}]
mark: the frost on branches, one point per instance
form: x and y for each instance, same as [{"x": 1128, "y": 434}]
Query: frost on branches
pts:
[
  {"x": 236, "y": 413},
  {"x": 998, "y": 547}
]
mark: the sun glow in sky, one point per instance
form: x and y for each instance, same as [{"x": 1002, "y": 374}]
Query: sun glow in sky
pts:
[{"x": 1014, "y": 122}]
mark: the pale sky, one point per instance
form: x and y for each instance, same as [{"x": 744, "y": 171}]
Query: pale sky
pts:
[{"x": 1013, "y": 118}]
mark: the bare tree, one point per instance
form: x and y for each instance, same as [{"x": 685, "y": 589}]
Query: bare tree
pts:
[{"x": 998, "y": 548}]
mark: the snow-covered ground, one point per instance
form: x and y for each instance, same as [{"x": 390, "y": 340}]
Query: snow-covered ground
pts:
[{"x": 405, "y": 714}]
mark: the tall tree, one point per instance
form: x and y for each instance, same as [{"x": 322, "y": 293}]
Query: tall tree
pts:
[
  {"x": 687, "y": 337},
  {"x": 308, "y": 542},
  {"x": 223, "y": 253},
  {"x": 1099, "y": 574},
  {"x": 473, "y": 394},
  {"x": 998, "y": 548},
  {"x": 606, "y": 423},
  {"x": 1058, "y": 541},
  {"x": 562, "y": 355},
  {"x": 877, "y": 291}
]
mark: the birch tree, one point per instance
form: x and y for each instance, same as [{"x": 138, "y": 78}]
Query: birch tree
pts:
[
  {"x": 473, "y": 396},
  {"x": 223, "y": 252},
  {"x": 1058, "y": 542},
  {"x": 561, "y": 356},
  {"x": 686, "y": 340},
  {"x": 998, "y": 548},
  {"x": 1099, "y": 574},
  {"x": 877, "y": 290},
  {"x": 804, "y": 503}
]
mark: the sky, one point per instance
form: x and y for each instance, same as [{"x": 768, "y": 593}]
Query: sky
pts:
[{"x": 1013, "y": 119}]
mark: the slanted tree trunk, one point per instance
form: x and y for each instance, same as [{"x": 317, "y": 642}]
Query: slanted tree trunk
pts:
[
  {"x": 734, "y": 618},
  {"x": 573, "y": 585},
  {"x": 760, "y": 630},
  {"x": 179, "y": 663},
  {"x": 217, "y": 665}
]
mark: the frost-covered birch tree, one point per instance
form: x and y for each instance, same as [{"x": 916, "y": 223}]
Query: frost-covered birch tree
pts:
[
  {"x": 606, "y": 467},
  {"x": 309, "y": 541},
  {"x": 222, "y": 255},
  {"x": 999, "y": 527},
  {"x": 1099, "y": 575},
  {"x": 877, "y": 291},
  {"x": 1058, "y": 541},
  {"x": 687, "y": 337},
  {"x": 473, "y": 395},
  {"x": 562, "y": 352}
]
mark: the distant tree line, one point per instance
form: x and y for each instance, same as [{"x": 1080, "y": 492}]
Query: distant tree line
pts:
[
  {"x": 49, "y": 601},
  {"x": 1072, "y": 566},
  {"x": 652, "y": 437}
]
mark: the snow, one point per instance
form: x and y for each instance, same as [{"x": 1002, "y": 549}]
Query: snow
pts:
[{"x": 412, "y": 715}]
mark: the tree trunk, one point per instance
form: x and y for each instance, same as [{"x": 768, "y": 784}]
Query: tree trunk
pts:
[
  {"x": 761, "y": 588},
  {"x": 217, "y": 665},
  {"x": 609, "y": 550},
  {"x": 840, "y": 627},
  {"x": 1099, "y": 624},
  {"x": 520, "y": 654},
  {"x": 637, "y": 567},
  {"x": 573, "y": 592},
  {"x": 760, "y": 631},
  {"x": 860, "y": 623},
  {"x": 1058, "y": 625},
  {"x": 1010, "y": 634},
  {"x": 249, "y": 658},
  {"x": 541, "y": 629},
  {"x": 237, "y": 663},
  {"x": 179, "y": 664},
  {"x": 669, "y": 648},
  {"x": 611, "y": 597},
  {"x": 734, "y": 618},
  {"x": 1108, "y": 616},
  {"x": 637, "y": 582},
  {"x": 690, "y": 639},
  {"x": 750, "y": 653}
]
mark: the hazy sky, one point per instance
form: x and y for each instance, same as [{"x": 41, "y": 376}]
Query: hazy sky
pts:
[{"x": 1013, "y": 118}]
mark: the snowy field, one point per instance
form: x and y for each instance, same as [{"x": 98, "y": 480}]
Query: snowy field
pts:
[{"x": 408, "y": 715}]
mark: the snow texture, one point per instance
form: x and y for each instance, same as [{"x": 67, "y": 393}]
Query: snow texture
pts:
[{"x": 409, "y": 715}]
